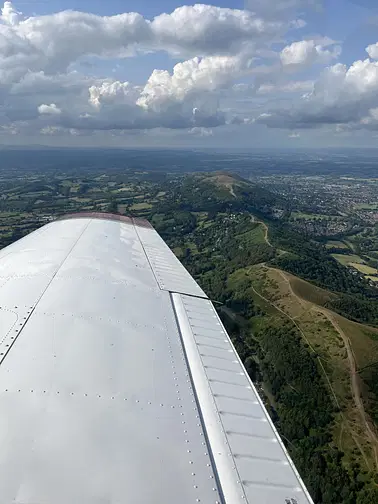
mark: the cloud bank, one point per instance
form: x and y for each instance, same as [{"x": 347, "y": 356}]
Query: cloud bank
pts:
[{"x": 225, "y": 63}]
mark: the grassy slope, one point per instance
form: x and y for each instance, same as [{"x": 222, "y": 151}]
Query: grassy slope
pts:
[{"x": 303, "y": 302}]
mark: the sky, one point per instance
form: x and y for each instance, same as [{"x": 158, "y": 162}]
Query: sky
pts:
[{"x": 225, "y": 74}]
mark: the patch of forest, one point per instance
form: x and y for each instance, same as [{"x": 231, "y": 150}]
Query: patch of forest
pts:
[{"x": 356, "y": 299}]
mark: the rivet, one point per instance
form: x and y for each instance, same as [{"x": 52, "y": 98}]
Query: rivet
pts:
[
  {"x": 195, "y": 486},
  {"x": 190, "y": 462}
]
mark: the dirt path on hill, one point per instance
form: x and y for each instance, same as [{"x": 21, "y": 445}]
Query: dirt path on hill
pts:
[{"x": 355, "y": 379}]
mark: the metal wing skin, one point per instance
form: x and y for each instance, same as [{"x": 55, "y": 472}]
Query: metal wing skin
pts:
[{"x": 118, "y": 381}]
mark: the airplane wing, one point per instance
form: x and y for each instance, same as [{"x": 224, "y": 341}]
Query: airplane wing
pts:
[{"x": 118, "y": 381}]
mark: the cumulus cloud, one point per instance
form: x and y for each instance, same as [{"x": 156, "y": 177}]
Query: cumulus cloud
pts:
[
  {"x": 201, "y": 28},
  {"x": 308, "y": 52},
  {"x": 51, "y": 109},
  {"x": 181, "y": 99},
  {"x": 40, "y": 87},
  {"x": 37, "y": 55},
  {"x": 342, "y": 95},
  {"x": 113, "y": 92},
  {"x": 190, "y": 77},
  {"x": 372, "y": 51},
  {"x": 9, "y": 15},
  {"x": 52, "y": 42}
]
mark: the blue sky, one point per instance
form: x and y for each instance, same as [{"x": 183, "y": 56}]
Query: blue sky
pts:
[{"x": 253, "y": 73}]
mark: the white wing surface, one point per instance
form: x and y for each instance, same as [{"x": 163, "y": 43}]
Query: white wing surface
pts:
[{"x": 118, "y": 381}]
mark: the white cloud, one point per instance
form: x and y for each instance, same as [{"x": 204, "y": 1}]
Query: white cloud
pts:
[
  {"x": 203, "y": 28},
  {"x": 52, "y": 130},
  {"x": 372, "y": 51},
  {"x": 342, "y": 95},
  {"x": 308, "y": 52},
  {"x": 9, "y": 129},
  {"x": 201, "y": 132},
  {"x": 52, "y": 42},
  {"x": 190, "y": 77},
  {"x": 37, "y": 55},
  {"x": 218, "y": 46},
  {"x": 287, "y": 87},
  {"x": 185, "y": 98},
  {"x": 113, "y": 92},
  {"x": 51, "y": 109},
  {"x": 9, "y": 15}
]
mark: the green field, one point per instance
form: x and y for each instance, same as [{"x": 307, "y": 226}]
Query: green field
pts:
[
  {"x": 255, "y": 236},
  {"x": 366, "y": 270},
  {"x": 141, "y": 206},
  {"x": 309, "y": 216},
  {"x": 347, "y": 259},
  {"x": 366, "y": 206},
  {"x": 336, "y": 244}
]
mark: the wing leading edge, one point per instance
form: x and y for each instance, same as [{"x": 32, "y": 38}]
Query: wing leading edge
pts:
[{"x": 118, "y": 381}]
